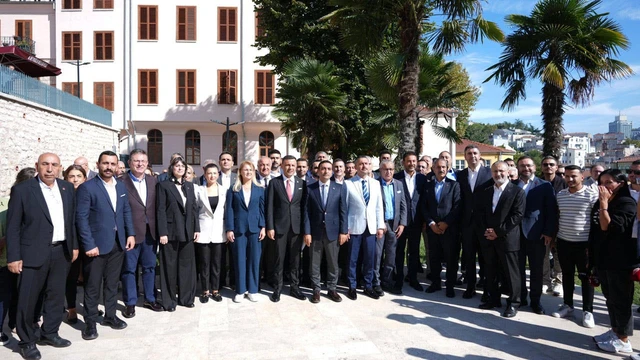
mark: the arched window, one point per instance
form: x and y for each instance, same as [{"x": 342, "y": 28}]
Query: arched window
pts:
[
  {"x": 232, "y": 146},
  {"x": 154, "y": 146},
  {"x": 192, "y": 147},
  {"x": 266, "y": 142}
]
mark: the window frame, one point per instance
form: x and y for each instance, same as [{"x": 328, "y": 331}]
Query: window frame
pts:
[
  {"x": 104, "y": 46},
  {"x": 150, "y": 152},
  {"x": 74, "y": 86},
  {"x": 227, "y": 90},
  {"x": 19, "y": 23},
  {"x": 186, "y": 86},
  {"x": 264, "y": 88},
  {"x": 105, "y": 85},
  {"x": 190, "y": 155},
  {"x": 233, "y": 142},
  {"x": 71, "y": 5},
  {"x": 266, "y": 147},
  {"x": 72, "y": 46},
  {"x": 227, "y": 25},
  {"x": 148, "y": 88},
  {"x": 104, "y": 4},
  {"x": 148, "y": 23},
  {"x": 186, "y": 23}
]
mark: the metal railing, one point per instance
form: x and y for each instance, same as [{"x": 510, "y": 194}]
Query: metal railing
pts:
[
  {"x": 23, "y": 43},
  {"x": 22, "y": 86}
]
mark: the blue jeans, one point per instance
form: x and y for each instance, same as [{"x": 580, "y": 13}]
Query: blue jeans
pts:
[
  {"x": 367, "y": 242},
  {"x": 145, "y": 254}
]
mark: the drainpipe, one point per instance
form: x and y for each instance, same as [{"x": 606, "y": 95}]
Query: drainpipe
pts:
[
  {"x": 133, "y": 125},
  {"x": 242, "y": 109}
]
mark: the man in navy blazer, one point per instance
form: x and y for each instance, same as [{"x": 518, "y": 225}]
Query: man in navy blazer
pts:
[
  {"x": 538, "y": 227},
  {"x": 325, "y": 228},
  {"x": 41, "y": 244},
  {"x": 105, "y": 228}
]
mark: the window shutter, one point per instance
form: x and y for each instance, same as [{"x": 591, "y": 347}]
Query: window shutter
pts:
[
  {"x": 191, "y": 23},
  {"x": 232, "y": 86},
  {"x": 232, "y": 25}
]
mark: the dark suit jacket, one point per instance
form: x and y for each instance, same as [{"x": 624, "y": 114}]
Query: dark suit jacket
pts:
[
  {"x": 232, "y": 179},
  {"x": 242, "y": 219},
  {"x": 414, "y": 211},
  {"x": 284, "y": 215},
  {"x": 176, "y": 220},
  {"x": 141, "y": 214},
  {"x": 97, "y": 223},
  {"x": 399, "y": 204},
  {"x": 332, "y": 218},
  {"x": 29, "y": 225},
  {"x": 505, "y": 221},
  {"x": 310, "y": 180},
  {"x": 447, "y": 209},
  {"x": 541, "y": 213},
  {"x": 467, "y": 195}
]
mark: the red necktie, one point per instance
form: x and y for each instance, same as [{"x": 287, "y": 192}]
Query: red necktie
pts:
[{"x": 289, "y": 190}]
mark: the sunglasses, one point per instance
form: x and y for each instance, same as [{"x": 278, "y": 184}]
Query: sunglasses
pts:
[
  {"x": 548, "y": 164},
  {"x": 635, "y": 172}
]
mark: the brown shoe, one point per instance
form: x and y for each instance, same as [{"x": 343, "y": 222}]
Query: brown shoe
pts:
[
  {"x": 316, "y": 297},
  {"x": 333, "y": 295}
]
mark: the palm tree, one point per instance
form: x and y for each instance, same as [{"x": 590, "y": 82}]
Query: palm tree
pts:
[
  {"x": 367, "y": 25},
  {"x": 312, "y": 105},
  {"x": 570, "y": 48}
]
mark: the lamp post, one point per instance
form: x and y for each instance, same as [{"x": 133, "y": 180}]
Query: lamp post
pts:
[
  {"x": 77, "y": 64},
  {"x": 227, "y": 124}
]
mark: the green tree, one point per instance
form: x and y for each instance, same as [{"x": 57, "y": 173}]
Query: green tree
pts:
[
  {"x": 570, "y": 48},
  {"x": 459, "y": 82},
  {"x": 536, "y": 155},
  {"x": 479, "y": 132}
]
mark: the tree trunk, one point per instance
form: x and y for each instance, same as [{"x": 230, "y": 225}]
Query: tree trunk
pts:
[
  {"x": 553, "y": 102},
  {"x": 408, "y": 87}
]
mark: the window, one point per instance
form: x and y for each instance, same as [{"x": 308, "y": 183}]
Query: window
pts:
[
  {"x": 72, "y": 46},
  {"x": 265, "y": 142},
  {"x": 154, "y": 147},
  {"x": 186, "y": 87},
  {"x": 227, "y": 24},
  {"x": 192, "y": 147},
  {"x": 264, "y": 87},
  {"x": 460, "y": 164},
  {"x": 232, "y": 145},
  {"x": 147, "y": 22},
  {"x": 71, "y": 4},
  {"x": 186, "y": 23},
  {"x": 147, "y": 86},
  {"x": 103, "y": 45},
  {"x": 227, "y": 86},
  {"x": 72, "y": 88},
  {"x": 23, "y": 28},
  {"x": 259, "y": 28},
  {"x": 103, "y": 94},
  {"x": 103, "y": 4}
]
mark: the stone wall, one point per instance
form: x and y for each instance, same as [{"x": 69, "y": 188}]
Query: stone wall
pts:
[{"x": 28, "y": 129}]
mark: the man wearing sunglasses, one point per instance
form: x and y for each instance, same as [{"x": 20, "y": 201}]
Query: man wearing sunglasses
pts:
[{"x": 549, "y": 169}]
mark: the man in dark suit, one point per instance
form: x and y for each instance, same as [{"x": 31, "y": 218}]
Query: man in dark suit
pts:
[
  {"x": 441, "y": 209},
  {"x": 325, "y": 228},
  {"x": 499, "y": 209},
  {"x": 538, "y": 227},
  {"x": 228, "y": 179},
  {"x": 476, "y": 176},
  {"x": 394, "y": 205},
  {"x": 41, "y": 244},
  {"x": 105, "y": 228},
  {"x": 413, "y": 183},
  {"x": 142, "y": 200},
  {"x": 82, "y": 161},
  {"x": 286, "y": 201}
]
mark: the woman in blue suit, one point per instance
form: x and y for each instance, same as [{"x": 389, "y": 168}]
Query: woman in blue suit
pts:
[{"x": 244, "y": 224}]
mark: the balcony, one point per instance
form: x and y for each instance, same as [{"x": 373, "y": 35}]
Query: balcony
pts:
[{"x": 23, "y": 43}]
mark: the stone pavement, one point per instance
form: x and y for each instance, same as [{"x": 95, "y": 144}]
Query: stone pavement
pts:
[{"x": 413, "y": 325}]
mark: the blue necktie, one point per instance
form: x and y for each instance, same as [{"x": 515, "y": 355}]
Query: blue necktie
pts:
[
  {"x": 365, "y": 191},
  {"x": 324, "y": 196}
]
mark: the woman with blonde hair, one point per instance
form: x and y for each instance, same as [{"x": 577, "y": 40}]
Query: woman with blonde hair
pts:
[{"x": 244, "y": 225}]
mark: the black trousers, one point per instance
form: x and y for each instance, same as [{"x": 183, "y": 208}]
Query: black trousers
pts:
[
  {"x": 496, "y": 258},
  {"x": 287, "y": 243},
  {"x": 471, "y": 247},
  {"x": 617, "y": 288},
  {"x": 102, "y": 269},
  {"x": 71, "y": 287},
  {"x": 574, "y": 255},
  {"x": 48, "y": 279},
  {"x": 343, "y": 262},
  {"x": 177, "y": 273},
  {"x": 443, "y": 248},
  {"x": 268, "y": 259},
  {"x": 534, "y": 250},
  {"x": 411, "y": 240},
  {"x": 209, "y": 260},
  {"x": 226, "y": 267}
]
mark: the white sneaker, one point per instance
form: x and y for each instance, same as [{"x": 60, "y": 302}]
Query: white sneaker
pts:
[
  {"x": 237, "y": 298},
  {"x": 557, "y": 289},
  {"x": 563, "y": 311},
  {"x": 545, "y": 288},
  {"x": 616, "y": 345},
  {"x": 587, "y": 320},
  {"x": 251, "y": 297},
  {"x": 605, "y": 337}
]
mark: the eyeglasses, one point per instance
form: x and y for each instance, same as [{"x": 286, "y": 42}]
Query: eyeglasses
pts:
[
  {"x": 635, "y": 172},
  {"x": 548, "y": 164}
]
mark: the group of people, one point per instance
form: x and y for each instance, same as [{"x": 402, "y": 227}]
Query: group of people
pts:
[{"x": 284, "y": 220}]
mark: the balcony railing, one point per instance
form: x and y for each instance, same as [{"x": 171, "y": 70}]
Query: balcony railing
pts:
[
  {"x": 22, "y": 86},
  {"x": 23, "y": 43}
]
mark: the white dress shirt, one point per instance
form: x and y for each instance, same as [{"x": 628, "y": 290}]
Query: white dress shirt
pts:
[
  {"x": 226, "y": 180},
  {"x": 473, "y": 177},
  {"x": 53, "y": 198},
  {"x": 182, "y": 195},
  {"x": 411, "y": 182},
  {"x": 141, "y": 187},
  {"x": 497, "y": 192},
  {"x": 247, "y": 196},
  {"x": 111, "y": 190}
]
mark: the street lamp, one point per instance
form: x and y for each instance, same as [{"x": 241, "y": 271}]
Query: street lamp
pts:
[
  {"x": 227, "y": 124},
  {"x": 77, "y": 64}
]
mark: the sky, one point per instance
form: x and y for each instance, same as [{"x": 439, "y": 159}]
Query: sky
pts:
[{"x": 611, "y": 99}]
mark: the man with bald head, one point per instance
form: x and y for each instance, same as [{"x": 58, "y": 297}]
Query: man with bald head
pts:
[
  {"x": 82, "y": 161},
  {"x": 41, "y": 244},
  {"x": 263, "y": 171}
]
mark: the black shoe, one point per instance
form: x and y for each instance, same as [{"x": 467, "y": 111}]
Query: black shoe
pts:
[
  {"x": 480, "y": 284},
  {"x": 216, "y": 297},
  {"x": 352, "y": 294},
  {"x": 504, "y": 290},
  {"x": 316, "y": 297},
  {"x": 72, "y": 320},
  {"x": 392, "y": 290},
  {"x": 129, "y": 311},
  {"x": 538, "y": 309},
  {"x": 4, "y": 339},
  {"x": 30, "y": 352},
  {"x": 90, "y": 332},
  {"x": 114, "y": 323},
  {"x": 153, "y": 306},
  {"x": 378, "y": 290},
  {"x": 333, "y": 295},
  {"x": 295, "y": 292},
  {"x": 484, "y": 297},
  {"x": 489, "y": 305},
  {"x": 450, "y": 293},
  {"x": 509, "y": 312},
  {"x": 190, "y": 306},
  {"x": 204, "y": 298},
  {"x": 524, "y": 303},
  {"x": 171, "y": 309},
  {"x": 406, "y": 278},
  {"x": 433, "y": 288},
  {"x": 416, "y": 285},
  {"x": 275, "y": 297},
  {"x": 468, "y": 294},
  {"x": 371, "y": 293},
  {"x": 55, "y": 341}
]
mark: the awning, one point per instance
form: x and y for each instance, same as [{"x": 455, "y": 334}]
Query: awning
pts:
[{"x": 26, "y": 63}]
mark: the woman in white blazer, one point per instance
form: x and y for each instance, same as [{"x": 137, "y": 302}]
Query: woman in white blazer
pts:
[{"x": 211, "y": 201}]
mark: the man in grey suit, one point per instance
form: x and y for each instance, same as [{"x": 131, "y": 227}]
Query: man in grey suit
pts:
[{"x": 395, "y": 217}]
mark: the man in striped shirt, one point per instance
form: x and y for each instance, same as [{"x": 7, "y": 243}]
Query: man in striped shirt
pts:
[{"x": 574, "y": 208}]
